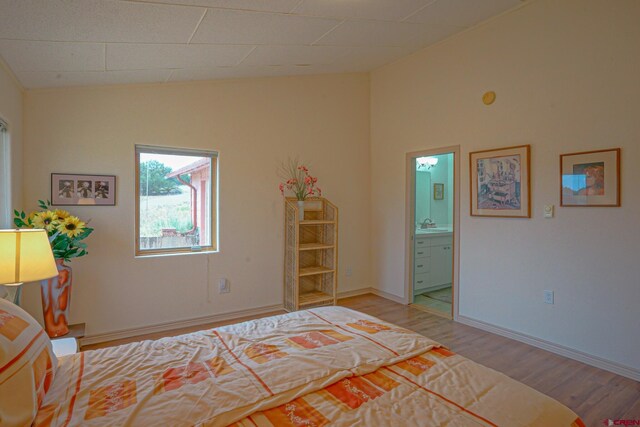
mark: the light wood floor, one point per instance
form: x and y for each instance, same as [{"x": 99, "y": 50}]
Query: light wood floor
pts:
[{"x": 592, "y": 393}]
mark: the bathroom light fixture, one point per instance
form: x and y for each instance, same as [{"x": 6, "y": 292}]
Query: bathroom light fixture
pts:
[{"x": 426, "y": 162}]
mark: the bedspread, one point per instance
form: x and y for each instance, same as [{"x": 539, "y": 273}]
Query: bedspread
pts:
[
  {"x": 436, "y": 388},
  {"x": 219, "y": 376}
]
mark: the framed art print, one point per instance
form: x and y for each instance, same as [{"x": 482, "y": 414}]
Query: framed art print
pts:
[
  {"x": 438, "y": 191},
  {"x": 590, "y": 178},
  {"x": 73, "y": 189},
  {"x": 500, "y": 182}
]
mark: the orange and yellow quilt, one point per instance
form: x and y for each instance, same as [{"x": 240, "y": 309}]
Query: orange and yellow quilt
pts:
[{"x": 324, "y": 366}]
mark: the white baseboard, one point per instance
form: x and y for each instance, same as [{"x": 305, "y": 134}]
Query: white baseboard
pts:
[
  {"x": 388, "y": 296},
  {"x": 373, "y": 291},
  {"x": 168, "y": 326},
  {"x": 355, "y": 293},
  {"x": 186, "y": 323},
  {"x": 598, "y": 362}
]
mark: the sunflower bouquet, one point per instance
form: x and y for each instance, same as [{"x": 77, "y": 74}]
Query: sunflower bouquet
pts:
[{"x": 65, "y": 231}]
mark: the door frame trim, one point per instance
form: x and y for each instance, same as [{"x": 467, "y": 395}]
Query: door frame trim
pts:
[{"x": 409, "y": 234}]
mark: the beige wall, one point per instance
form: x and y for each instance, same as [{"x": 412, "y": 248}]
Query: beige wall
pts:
[
  {"x": 11, "y": 112},
  {"x": 566, "y": 77},
  {"x": 254, "y": 124}
]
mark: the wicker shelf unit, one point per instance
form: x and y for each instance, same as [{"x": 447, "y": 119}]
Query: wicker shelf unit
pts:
[{"x": 310, "y": 254}]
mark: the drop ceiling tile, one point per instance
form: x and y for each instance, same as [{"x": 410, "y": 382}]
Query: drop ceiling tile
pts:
[
  {"x": 282, "y": 6},
  {"x": 97, "y": 21},
  {"x": 46, "y": 79},
  {"x": 229, "y": 73},
  {"x": 431, "y": 34},
  {"x": 461, "y": 13},
  {"x": 372, "y": 33},
  {"x": 221, "y": 26},
  {"x": 339, "y": 68},
  {"x": 52, "y": 56},
  {"x": 52, "y": 43},
  {"x": 259, "y": 71},
  {"x": 131, "y": 56},
  {"x": 294, "y": 55},
  {"x": 370, "y": 58},
  {"x": 386, "y": 10}
]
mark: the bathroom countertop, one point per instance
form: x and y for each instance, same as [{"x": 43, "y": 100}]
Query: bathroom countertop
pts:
[{"x": 438, "y": 231}]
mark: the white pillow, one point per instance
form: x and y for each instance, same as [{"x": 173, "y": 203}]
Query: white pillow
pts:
[{"x": 27, "y": 365}]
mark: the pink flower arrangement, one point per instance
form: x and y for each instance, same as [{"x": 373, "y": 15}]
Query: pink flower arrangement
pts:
[{"x": 298, "y": 181}]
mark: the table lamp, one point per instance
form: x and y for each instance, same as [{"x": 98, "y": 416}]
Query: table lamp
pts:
[{"x": 25, "y": 256}]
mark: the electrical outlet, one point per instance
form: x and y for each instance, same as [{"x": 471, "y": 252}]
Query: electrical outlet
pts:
[
  {"x": 548, "y": 297},
  {"x": 224, "y": 287},
  {"x": 348, "y": 272}
]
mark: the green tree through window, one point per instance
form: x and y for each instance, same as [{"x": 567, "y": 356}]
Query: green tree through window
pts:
[{"x": 153, "y": 180}]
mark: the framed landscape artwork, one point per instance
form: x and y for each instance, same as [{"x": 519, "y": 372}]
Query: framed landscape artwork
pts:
[
  {"x": 500, "y": 182},
  {"x": 72, "y": 189},
  {"x": 591, "y": 178}
]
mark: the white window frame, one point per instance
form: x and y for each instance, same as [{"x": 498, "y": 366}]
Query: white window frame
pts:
[
  {"x": 5, "y": 176},
  {"x": 213, "y": 201}
]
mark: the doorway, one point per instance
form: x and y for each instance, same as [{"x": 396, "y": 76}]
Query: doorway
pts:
[{"x": 432, "y": 230}]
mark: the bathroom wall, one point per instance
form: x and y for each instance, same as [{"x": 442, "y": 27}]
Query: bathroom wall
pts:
[
  {"x": 448, "y": 188},
  {"x": 440, "y": 208},
  {"x": 426, "y": 207},
  {"x": 423, "y": 195}
]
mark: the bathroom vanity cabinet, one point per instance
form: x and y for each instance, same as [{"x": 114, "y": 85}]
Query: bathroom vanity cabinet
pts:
[{"x": 433, "y": 261}]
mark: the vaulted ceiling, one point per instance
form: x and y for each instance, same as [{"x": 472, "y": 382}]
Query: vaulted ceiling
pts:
[{"x": 50, "y": 43}]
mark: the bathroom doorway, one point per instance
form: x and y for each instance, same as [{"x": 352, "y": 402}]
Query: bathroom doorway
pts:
[{"x": 432, "y": 233}]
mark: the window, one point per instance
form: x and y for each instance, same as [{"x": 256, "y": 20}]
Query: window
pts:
[
  {"x": 5, "y": 177},
  {"x": 176, "y": 200}
]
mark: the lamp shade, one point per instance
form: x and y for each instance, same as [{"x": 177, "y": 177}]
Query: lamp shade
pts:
[{"x": 25, "y": 256}]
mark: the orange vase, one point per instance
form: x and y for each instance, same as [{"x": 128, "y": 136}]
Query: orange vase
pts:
[{"x": 56, "y": 299}]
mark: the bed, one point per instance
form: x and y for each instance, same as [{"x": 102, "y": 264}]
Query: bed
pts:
[{"x": 323, "y": 366}]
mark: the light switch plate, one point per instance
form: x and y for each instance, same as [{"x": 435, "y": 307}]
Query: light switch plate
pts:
[
  {"x": 548, "y": 297},
  {"x": 548, "y": 211},
  {"x": 224, "y": 287}
]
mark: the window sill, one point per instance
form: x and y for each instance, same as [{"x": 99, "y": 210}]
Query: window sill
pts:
[{"x": 156, "y": 255}]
